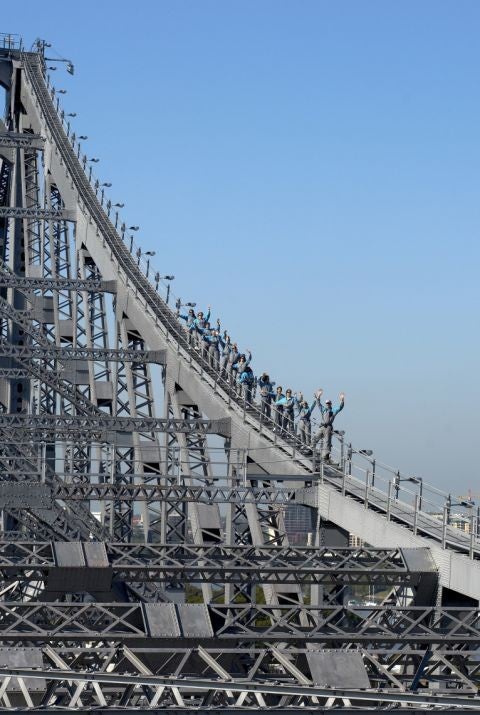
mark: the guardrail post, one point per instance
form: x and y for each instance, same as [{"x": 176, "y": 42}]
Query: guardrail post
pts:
[
  {"x": 472, "y": 532},
  {"x": 389, "y": 499},
  {"x": 365, "y": 501},
  {"x": 420, "y": 494},
  {"x": 448, "y": 507},
  {"x": 415, "y": 514},
  {"x": 342, "y": 452},
  {"x": 374, "y": 463},
  {"x": 444, "y": 526},
  {"x": 344, "y": 476}
]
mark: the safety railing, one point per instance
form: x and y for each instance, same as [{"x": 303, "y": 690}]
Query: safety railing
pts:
[{"x": 10, "y": 41}]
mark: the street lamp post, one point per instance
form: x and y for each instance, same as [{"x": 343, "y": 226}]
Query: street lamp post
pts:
[{"x": 149, "y": 254}]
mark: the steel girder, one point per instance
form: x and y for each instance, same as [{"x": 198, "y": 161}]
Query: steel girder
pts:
[
  {"x": 28, "y": 284},
  {"x": 173, "y": 493},
  {"x": 450, "y": 631},
  {"x": 13, "y": 140},
  {"x": 91, "y": 427},
  {"x": 213, "y": 563},
  {"x": 66, "y": 354},
  {"x": 252, "y": 678},
  {"x": 16, "y": 212}
]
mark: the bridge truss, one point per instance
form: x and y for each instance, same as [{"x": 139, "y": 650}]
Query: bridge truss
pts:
[{"x": 145, "y": 562}]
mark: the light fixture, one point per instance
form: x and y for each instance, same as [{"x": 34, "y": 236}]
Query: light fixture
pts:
[
  {"x": 134, "y": 228},
  {"x": 120, "y": 206},
  {"x": 149, "y": 254},
  {"x": 107, "y": 184},
  {"x": 158, "y": 278},
  {"x": 83, "y": 137}
]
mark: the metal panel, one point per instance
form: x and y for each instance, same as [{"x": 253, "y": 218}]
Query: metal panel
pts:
[
  {"x": 419, "y": 560},
  {"x": 68, "y": 554},
  {"x": 96, "y": 554},
  {"x": 195, "y": 620},
  {"x": 337, "y": 669},
  {"x": 24, "y": 494},
  {"x": 80, "y": 568},
  {"x": 161, "y": 620},
  {"x": 23, "y": 658},
  {"x": 208, "y": 517}
]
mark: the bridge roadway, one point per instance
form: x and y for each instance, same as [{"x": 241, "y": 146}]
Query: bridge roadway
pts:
[{"x": 152, "y": 317}]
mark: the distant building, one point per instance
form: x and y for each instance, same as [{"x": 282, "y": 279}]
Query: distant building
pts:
[
  {"x": 355, "y": 541},
  {"x": 458, "y": 521},
  {"x": 300, "y": 524}
]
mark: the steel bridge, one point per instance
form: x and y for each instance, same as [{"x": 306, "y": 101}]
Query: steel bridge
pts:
[{"x": 145, "y": 560}]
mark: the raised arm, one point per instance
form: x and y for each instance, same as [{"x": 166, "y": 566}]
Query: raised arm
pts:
[
  {"x": 341, "y": 405},
  {"x": 318, "y": 397}
]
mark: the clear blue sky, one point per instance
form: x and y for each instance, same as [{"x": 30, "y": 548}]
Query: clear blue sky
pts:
[{"x": 312, "y": 170}]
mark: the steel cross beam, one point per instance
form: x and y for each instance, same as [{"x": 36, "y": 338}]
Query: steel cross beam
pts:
[
  {"x": 330, "y": 625},
  {"x": 208, "y": 563},
  {"x": 173, "y": 493},
  {"x": 103, "y": 690},
  {"x": 37, "y": 213},
  {"x": 28, "y": 283},
  {"x": 79, "y": 353},
  {"x": 18, "y": 140},
  {"x": 16, "y": 373},
  {"x": 92, "y": 425}
]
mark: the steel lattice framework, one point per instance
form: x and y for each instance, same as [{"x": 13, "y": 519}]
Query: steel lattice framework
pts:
[{"x": 145, "y": 561}]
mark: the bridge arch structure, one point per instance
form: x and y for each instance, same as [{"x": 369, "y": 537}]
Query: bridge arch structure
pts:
[{"x": 146, "y": 561}]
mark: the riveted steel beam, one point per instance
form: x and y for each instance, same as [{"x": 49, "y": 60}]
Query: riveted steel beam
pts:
[
  {"x": 16, "y": 140},
  {"x": 81, "y": 353},
  {"x": 99, "y": 423},
  {"x": 37, "y": 213},
  {"x": 28, "y": 283}
]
